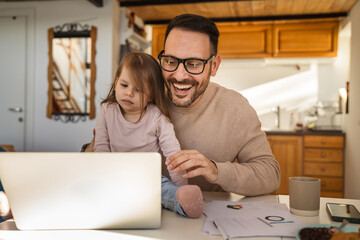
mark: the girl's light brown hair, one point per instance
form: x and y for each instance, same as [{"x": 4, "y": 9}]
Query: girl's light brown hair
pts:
[{"x": 146, "y": 76}]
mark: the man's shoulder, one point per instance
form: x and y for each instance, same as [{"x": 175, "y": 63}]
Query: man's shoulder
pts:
[
  {"x": 225, "y": 93},
  {"x": 227, "y": 100}
]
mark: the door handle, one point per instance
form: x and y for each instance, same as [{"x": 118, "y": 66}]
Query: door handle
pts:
[{"x": 16, "y": 109}]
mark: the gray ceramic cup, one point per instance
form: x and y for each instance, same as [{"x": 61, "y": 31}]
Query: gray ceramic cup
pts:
[{"x": 304, "y": 196}]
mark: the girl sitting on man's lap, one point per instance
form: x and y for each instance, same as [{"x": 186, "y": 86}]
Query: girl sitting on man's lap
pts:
[{"x": 134, "y": 118}]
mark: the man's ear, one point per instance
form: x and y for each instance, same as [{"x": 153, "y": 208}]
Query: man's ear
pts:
[{"x": 215, "y": 65}]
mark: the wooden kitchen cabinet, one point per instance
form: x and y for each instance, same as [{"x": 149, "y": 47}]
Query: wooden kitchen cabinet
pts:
[
  {"x": 235, "y": 41},
  {"x": 323, "y": 158},
  {"x": 312, "y": 155},
  {"x": 249, "y": 41},
  {"x": 158, "y": 38},
  {"x": 307, "y": 39},
  {"x": 300, "y": 38},
  {"x": 288, "y": 151}
]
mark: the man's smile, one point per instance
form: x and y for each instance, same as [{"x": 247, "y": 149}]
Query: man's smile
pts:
[{"x": 182, "y": 89}]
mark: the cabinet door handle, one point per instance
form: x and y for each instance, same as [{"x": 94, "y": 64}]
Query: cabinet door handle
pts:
[
  {"x": 323, "y": 142},
  {"x": 323, "y": 184},
  {"x": 322, "y": 169},
  {"x": 323, "y": 154}
]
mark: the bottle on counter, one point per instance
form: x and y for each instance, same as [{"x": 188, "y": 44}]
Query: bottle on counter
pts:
[{"x": 298, "y": 127}]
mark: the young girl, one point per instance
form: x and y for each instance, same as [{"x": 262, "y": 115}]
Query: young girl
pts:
[{"x": 134, "y": 118}]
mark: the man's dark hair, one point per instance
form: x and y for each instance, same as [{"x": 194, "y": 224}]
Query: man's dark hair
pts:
[{"x": 196, "y": 23}]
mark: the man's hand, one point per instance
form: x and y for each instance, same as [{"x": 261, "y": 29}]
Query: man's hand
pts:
[{"x": 194, "y": 163}]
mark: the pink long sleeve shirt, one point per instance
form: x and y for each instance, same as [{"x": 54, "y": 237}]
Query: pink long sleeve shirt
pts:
[{"x": 151, "y": 134}]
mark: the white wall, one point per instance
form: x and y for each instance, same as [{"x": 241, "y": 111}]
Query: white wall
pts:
[
  {"x": 294, "y": 84},
  {"x": 352, "y": 152},
  {"x": 47, "y": 134},
  {"x": 335, "y": 75}
]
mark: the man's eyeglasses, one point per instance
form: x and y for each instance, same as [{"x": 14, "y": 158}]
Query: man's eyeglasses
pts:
[{"x": 192, "y": 65}]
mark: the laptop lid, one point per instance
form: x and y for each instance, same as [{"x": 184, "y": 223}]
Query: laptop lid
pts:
[{"x": 83, "y": 190}]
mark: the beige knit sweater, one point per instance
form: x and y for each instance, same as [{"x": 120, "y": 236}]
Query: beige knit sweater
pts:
[{"x": 223, "y": 126}]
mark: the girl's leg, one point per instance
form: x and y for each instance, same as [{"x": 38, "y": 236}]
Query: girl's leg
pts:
[{"x": 185, "y": 200}]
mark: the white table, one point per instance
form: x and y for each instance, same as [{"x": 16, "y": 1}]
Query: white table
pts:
[{"x": 173, "y": 226}]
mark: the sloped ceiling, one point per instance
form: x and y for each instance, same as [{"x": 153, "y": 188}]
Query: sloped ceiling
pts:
[
  {"x": 97, "y": 3},
  {"x": 161, "y": 11}
]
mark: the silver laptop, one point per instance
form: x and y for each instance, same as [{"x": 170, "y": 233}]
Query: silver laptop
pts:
[{"x": 83, "y": 190}]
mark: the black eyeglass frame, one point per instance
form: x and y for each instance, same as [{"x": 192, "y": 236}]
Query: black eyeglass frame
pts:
[{"x": 179, "y": 60}]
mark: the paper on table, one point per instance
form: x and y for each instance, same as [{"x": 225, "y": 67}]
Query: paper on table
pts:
[
  {"x": 215, "y": 209},
  {"x": 252, "y": 219}
]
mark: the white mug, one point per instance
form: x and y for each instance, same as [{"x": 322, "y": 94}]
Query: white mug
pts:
[{"x": 304, "y": 196}]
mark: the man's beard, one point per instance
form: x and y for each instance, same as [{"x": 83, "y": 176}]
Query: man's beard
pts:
[{"x": 199, "y": 90}]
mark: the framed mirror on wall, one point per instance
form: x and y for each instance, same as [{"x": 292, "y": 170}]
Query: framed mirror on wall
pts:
[{"x": 71, "y": 72}]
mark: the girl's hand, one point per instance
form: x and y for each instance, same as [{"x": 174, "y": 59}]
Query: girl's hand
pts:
[{"x": 194, "y": 163}]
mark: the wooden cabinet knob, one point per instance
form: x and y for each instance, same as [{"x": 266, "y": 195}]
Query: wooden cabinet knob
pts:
[
  {"x": 322, "y": 169},
  {"x": 323, "y": 154},
  {"x": 323, "y": 184},
  {"x": 323, "y": 142}
]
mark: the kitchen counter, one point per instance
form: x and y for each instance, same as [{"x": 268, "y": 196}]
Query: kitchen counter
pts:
[{"x": 304, "y": 132}]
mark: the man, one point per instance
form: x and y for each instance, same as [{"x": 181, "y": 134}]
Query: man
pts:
[{"x": 214, "y": 125}]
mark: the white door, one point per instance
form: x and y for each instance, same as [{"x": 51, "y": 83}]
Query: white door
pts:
[{"x": 12, "y": 81}]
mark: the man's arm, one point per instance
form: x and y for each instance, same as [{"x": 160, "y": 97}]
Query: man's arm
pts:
[
  {"x": 240, "y": 136},
  {"x": 257, "y": 171},
  {"x": 255, "y": 177}
]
